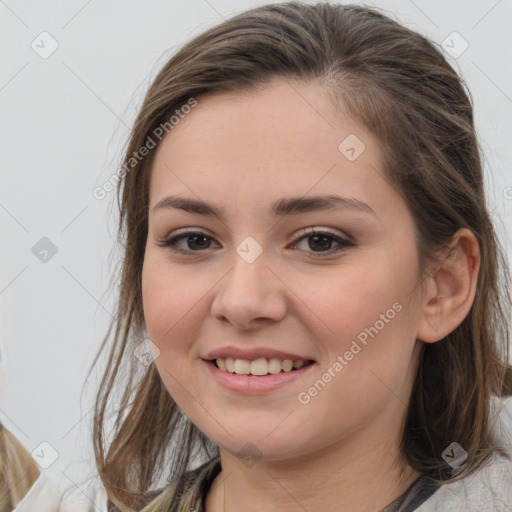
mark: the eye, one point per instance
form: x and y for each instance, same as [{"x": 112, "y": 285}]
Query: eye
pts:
[
  {"x": 194, "y": 241},
  {"x": 320, "y": 242}
]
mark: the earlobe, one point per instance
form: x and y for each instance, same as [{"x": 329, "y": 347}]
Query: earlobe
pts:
[{"x": 451, "y": 290}]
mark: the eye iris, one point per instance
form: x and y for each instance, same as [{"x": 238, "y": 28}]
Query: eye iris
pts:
[
  {"x": 322, "y": 246},
  {"x": 195, "y": 238}
]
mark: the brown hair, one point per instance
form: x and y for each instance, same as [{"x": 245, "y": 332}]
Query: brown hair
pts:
[
  {"x": 18, "y": 471},
  {"x": 401, "y": 87}
]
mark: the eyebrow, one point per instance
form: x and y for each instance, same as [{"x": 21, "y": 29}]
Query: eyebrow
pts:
[{"x": 280, "y": 208}]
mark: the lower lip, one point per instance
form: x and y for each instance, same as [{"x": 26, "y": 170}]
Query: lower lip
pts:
[{"x": 254, "y": 384}]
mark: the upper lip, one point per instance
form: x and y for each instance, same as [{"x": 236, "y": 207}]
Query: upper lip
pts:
[{"x": 253, "y": 354}]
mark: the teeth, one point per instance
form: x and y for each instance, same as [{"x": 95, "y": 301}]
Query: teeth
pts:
[
  {"x": 259, "y": 367},
  {"x": 275, "y": 366},
  {"x": 287, "y": 365},
  {"x": 242, "y": 366}
]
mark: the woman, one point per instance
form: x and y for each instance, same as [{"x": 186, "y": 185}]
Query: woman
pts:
[{"x": 309, "y": 256}]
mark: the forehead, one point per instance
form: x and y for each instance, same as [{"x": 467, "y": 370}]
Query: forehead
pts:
[
  {"x": 284, "y": 136},
  {"x": 278, "y": 113}
]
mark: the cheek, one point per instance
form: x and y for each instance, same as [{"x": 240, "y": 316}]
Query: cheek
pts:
[
  {"x": 172, "y": 302},
  {"x": 356, "y": 296},
  {"x": 370, "y": 313},
  {"x": 174, "y": 311}
]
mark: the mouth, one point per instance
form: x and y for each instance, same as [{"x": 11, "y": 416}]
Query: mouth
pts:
[{"x": 259, "y": 367}]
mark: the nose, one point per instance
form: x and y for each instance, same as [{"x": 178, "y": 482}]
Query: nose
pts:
[{"x": 250, "y": 295}]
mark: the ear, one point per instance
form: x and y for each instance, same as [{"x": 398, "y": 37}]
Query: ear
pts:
[{"x": 450, "y": 291}]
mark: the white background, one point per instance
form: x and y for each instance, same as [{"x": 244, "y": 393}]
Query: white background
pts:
[{"x": 64, "y": 122}]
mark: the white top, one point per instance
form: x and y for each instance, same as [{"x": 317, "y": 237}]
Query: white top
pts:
[
  {"x": 43, "y": 496},
  {"x": 90, "y": 497}
]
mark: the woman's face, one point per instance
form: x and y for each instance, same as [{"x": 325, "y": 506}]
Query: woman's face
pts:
[{"x": 298, "y": 252}]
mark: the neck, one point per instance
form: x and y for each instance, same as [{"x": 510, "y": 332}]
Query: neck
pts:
[{"x": 361, "y": 478}]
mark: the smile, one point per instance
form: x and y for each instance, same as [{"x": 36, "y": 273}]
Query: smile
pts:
[
  {"x": 269, "y": 374},
  {"x": 258, "y": 367}
]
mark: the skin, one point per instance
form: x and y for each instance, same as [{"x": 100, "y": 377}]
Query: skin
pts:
[{"x": 243, "y": 151}]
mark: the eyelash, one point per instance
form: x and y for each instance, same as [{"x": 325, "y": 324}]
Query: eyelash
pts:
[{"x": 171, "y": 243}]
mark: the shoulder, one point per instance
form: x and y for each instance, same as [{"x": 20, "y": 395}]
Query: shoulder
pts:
[
  {"x": 487, "y": 490},
  {"x": 89, "y": 497},
  {"x": 190, "y": 487}
]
